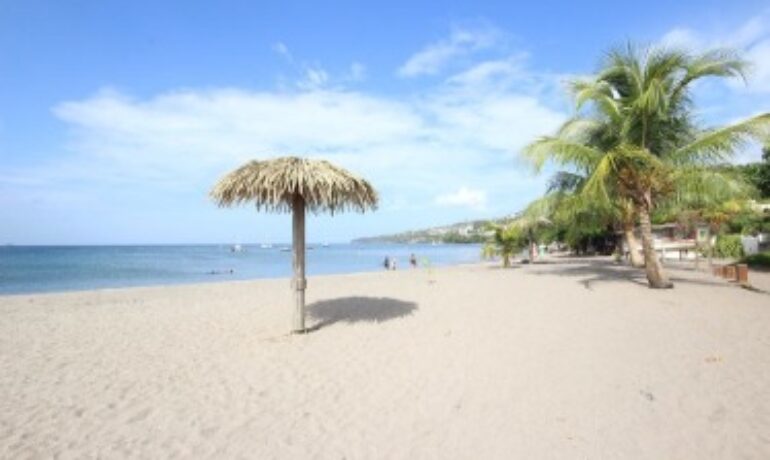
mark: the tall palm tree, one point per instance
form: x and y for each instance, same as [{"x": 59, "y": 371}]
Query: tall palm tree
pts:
[{"x": 643, "y": 99}]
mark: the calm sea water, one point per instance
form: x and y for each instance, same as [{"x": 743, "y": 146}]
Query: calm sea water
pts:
[{"x": 30, "y": 269}]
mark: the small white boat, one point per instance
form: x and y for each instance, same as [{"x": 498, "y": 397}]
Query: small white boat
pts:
[
  {"x": 266, "y": 246},
  {"x": 236, "y": 248}
]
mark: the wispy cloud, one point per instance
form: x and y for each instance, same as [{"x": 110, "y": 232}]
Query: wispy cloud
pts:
[
  {"x": 312, "y": 75},
  {"x": 283, "y": 51},
  {"x": 436, "y": 56},
  {"x": 315, "y": 77},
  {"x": 752, "y": 37},
  {"x": 465, "y": 197},
  {"x": 357, "y": 72}
]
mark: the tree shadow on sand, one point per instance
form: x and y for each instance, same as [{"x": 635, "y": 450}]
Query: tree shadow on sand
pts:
[
  {"x": 358, "y": 310},
  {"x": 592, "y": 272}
]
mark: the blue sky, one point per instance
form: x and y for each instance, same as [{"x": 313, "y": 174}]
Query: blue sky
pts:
[{"x": 117, "y": 117}]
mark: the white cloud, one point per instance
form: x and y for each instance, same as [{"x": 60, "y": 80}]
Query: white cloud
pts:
[
  {"x": 682, "y": 38},
  {"x": 183, "y": 138},
  {"x": 752, "y": 38},
  {"x": 759, "y": 55},
  {"x": 489, "y": 71},
  {"x": 311, "y": 75},
  {"x": 436, "y": 56},
  {"x": 315, "y": 77},
  {"x": 464, "y": 196},
  {"x": 409, "y": 147}
]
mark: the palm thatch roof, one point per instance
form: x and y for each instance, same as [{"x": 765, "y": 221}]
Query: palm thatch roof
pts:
[{"x": 273, "y": 185}]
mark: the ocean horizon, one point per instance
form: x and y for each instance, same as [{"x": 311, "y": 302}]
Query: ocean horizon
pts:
[{"x": 45, "y": 269}]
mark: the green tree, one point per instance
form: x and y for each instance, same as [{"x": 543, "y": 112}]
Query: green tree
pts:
[
  {"x": 583, "y": 219},
  {"x": 505, "y": 242},
  {"x": 758, "y": 173},
  {"x": 645, "y": 94}
]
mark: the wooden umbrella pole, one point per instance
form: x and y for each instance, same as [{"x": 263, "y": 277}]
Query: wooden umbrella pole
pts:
[{"x": 299, "y": 283}]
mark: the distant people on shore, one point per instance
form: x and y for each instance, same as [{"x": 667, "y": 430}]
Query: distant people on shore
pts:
[
  {"x": 389, "y": 263},
  {"x": 413, "y": 260}
]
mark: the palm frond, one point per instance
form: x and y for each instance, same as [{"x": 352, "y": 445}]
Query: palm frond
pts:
[
  {"x": 596, "y": 186},
  {"x": 716, "y": 63},
  {"x": 698, "y": 187},
  {"x": 718, "y": 145},
  {"x": 562, "y": 152},
  {"x": 565, "y": 182}
]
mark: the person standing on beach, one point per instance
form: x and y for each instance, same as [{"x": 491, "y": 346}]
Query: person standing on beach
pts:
[
  {"x": 386, "y": 263},
  {"x": 413, "y": 260}
]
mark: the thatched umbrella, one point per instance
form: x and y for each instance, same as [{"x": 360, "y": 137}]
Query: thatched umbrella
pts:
[{"x": 296, "y": 184}]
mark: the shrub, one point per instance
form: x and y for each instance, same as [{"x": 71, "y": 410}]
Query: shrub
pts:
[
  {"x": 729, "y": 246},
  {"x": 761, "y": 260}
]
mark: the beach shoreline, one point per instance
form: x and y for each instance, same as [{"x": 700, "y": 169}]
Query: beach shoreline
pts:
[{"x": 571, "y": 359}]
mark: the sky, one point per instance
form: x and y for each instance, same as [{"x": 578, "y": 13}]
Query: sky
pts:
[{"x": 117, "y": 117}]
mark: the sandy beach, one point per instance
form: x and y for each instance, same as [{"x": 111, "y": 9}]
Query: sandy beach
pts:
[{"x": 568, "y": 360}]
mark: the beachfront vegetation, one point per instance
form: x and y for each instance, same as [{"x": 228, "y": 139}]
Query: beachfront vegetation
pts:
[
  {"x": 505, "y": 242},
  {"x": 758, "y": 173},
  {"x": 761, "y": 260},
  {"x": 729, "y": 247},
  {"x": 635, "y": 141}
]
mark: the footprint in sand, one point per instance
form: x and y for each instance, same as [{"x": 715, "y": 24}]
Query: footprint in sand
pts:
[{"x": 139, "y": 416}]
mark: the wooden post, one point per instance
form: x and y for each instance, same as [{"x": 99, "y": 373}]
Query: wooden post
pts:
[
  {"x": 743, "y": 273},
  {"x": 729, "y": 273},
  {"x": 298, "y": 283}
]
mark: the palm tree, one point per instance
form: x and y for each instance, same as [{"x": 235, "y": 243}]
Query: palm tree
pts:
[
  {"x": 506, "y": 240},
  {"x": 292, "y": 184},
  {"x": 642, "y": 98}
]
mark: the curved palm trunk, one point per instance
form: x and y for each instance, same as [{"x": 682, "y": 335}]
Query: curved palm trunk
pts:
[
  {"x": 298, "y": 283},
  {"x": 656, "y": 277},
  {"x": 633, "y": 245}
]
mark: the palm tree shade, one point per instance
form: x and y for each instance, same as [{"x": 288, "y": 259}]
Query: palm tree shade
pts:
[{"x": 291, "y": 184}]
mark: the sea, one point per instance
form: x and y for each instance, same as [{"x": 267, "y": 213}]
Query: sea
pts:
[{"x": 39, "y": 269}]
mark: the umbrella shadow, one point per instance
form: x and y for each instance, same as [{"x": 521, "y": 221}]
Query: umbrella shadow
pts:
[{"x": 358, "y": 310}]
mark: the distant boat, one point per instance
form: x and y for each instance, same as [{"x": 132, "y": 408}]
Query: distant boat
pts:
[
  {"x": 285, "y": 249},
  {"x": 236, "y": 248},
  {"x": 266, "y": 246},
  {"x": 324, "y": 245}
]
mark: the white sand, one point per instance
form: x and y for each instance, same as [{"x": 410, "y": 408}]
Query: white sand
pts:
[{"x": 552, "y": 361}]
